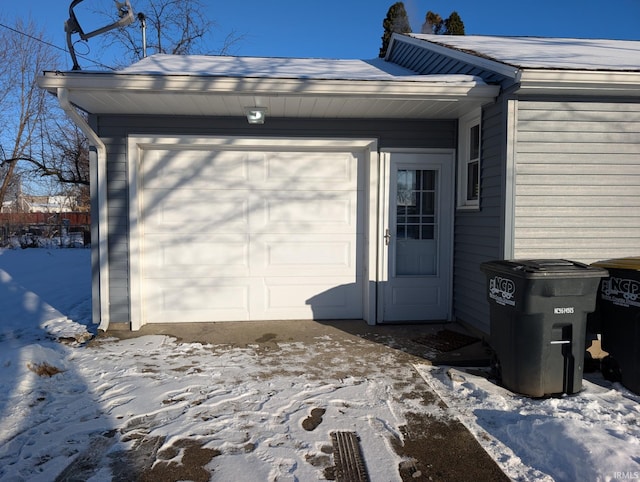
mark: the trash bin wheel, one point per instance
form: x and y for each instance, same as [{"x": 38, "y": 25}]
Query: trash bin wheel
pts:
[{"x": 610, "y": 369}]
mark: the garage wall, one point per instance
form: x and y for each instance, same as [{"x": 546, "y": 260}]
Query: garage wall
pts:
[
  {"x": 392, "y": 133},
  {"x": 578, "y": 180}
]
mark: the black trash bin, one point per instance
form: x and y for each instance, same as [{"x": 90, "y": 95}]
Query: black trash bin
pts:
[
  {"x": 618, "y": 315},
  {"x": 538, "y": 312}
]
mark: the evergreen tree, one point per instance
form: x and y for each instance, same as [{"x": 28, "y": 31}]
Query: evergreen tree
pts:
[
  {"x": 396, "y": 21},
  {"x": 454, "y": 25},
  {"x": 435, "y": 25}
]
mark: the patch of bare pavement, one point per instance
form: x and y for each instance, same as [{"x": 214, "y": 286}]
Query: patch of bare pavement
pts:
[{"x": 433, "y": 444}]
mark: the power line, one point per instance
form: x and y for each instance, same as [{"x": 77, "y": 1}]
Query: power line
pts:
[{"x": 95, "y": 62}]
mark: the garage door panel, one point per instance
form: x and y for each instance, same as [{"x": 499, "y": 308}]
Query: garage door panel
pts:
[
  {"x": 197, "y": 169},
  {"x": 300, "y": 255},
  {"x": 221, "y": 169},
  {"x": 310, "y": 171},
  {"x": 199, "y": 300},
  {"x": 206, "y": 256},
  {"x": 315, "y": 297},
  {"x": 309, "y": 212},
  {"x": 199, "y": 211}
]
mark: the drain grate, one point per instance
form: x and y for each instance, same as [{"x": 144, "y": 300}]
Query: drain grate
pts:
[
  {"x": 446, "y": 340},
  {"x": 349, "y": 464}
]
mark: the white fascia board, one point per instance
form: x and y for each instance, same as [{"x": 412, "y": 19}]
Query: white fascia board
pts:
[
  {"x": 579, "y": 82},
  {"x": 266, "y": 86},
  {"x": 466, "y": 57}
]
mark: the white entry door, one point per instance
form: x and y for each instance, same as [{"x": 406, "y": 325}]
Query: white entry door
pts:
[{"x": 416, "y": 237}]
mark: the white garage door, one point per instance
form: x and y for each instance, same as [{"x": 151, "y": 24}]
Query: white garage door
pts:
[{"x": 243, "y": 235}]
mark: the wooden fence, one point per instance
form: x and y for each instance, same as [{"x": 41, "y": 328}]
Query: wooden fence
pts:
[{"x": 45, "y": 229}]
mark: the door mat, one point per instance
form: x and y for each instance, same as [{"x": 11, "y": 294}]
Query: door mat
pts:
[
  {"x": 349, "y": 464},
  {"x": 446, "y": 340}
]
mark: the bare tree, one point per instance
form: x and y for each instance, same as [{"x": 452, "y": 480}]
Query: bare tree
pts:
[
  {"x": 64, "y": 155},
  {"x": 24, "y": 104},
  {"x": 39, "y": 143},
  {"x": 177, "y": 27}
]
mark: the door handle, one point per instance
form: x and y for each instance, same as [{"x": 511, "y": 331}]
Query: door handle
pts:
[{"x": 387, "y": 237}]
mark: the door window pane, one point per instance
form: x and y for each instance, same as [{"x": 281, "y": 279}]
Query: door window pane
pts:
[
  {"x": 428, "y": 204},
  {"x": 428, "y": 232},
  {"x": 416, "y": 204},
  {"x": 416, "y": 223}
]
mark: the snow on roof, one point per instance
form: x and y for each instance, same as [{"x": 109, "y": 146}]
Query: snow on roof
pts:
[
  {"x": 547, "y": 53},
  {"x": 294, "y": 68}
]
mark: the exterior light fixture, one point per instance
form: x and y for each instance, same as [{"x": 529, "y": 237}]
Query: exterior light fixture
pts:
[{"x": 256, "y": 115}]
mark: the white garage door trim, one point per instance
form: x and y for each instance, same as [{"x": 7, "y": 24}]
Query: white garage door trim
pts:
[{"x": 138, "y": 145}]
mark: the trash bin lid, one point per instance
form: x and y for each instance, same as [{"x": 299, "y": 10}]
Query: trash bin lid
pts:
[
  {"x": 545, "y": 268},
  {"x": 632, "y": 263}
]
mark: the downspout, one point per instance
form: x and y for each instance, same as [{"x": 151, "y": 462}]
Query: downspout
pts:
[{"x": 101, "y": 190}]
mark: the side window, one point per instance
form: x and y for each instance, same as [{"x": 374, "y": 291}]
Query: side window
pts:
[{"x": 469, "y": 162}]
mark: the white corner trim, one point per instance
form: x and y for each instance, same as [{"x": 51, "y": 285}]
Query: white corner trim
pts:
[
  {"x": 510, "y": 180},
  {"x": 134, "y": 154},
  {"x": 372, "y": 181}
]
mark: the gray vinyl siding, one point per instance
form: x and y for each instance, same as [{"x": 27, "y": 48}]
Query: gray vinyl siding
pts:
[
  {"x": 114, "y": 131},
  {"x": 577, "y": 180},
  {"x": 117, "y": 220},
  {"x": 478, "y": 233}
]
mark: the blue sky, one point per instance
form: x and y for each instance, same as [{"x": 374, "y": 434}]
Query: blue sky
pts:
[{"x": 352, "y": 28}]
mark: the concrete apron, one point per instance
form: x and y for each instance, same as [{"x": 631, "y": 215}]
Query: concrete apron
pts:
[{"x": 436, "y": 448}]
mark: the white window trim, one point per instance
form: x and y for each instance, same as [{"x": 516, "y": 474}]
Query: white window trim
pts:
[{"x": 464, "y": 125}]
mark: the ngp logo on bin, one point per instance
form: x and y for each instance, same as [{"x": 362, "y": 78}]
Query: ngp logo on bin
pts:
[
  {"x": 502, "y": 290},
  {"x": 621, "y": 291}
]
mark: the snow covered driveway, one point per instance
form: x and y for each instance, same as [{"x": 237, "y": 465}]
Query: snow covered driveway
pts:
[{"x": 152, "y": 408}]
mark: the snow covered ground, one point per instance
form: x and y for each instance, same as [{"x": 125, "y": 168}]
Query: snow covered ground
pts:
[{"x": 71, "y": 411}]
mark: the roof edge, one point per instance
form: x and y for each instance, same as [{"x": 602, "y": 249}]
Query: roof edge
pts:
[
  {"x": 52, "y": 80},
  {"x": 473, "y": 58}
]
